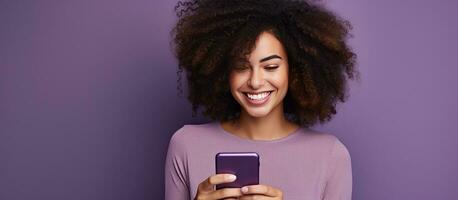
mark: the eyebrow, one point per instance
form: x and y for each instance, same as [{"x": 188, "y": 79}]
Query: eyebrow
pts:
[{"x": 270, "y": 57}]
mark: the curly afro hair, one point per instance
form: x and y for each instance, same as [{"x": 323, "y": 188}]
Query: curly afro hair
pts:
[{"x": 211, "y": 34}]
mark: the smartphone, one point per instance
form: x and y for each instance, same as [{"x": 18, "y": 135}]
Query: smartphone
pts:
[{"x": 245, "y": 165}]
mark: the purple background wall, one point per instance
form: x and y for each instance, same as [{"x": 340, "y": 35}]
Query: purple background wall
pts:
[{"x": 88, "y": 99}]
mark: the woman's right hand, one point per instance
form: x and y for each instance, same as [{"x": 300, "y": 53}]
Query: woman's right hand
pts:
[{"x": 205, "y": 189}]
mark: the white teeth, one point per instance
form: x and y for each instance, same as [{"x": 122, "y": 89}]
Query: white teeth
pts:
[{"x": 258, "y": 96}]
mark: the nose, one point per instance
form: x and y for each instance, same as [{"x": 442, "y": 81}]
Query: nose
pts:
[{"x": 256, "y": 80}]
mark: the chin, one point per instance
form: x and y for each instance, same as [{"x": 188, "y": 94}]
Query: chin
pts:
[{"x": 260, "y": 112}]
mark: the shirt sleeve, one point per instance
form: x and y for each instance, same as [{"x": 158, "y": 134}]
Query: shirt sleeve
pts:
[
  {"x": 339, "y": 184},
  {"x": 176, "y": 181}
]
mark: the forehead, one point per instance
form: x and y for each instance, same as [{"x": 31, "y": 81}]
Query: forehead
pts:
[{"x": 266, "y": 44}]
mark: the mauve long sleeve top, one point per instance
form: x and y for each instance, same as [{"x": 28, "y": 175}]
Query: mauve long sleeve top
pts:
[{"x": 305, "y": 165}]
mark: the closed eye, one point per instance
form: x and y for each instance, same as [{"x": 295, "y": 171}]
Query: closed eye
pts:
[
  {"x": 241, "y": 68},
  {"x": 271, "y": 67}
]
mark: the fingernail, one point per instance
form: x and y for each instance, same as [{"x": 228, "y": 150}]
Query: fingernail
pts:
[
  {"x": 244, "y": 189},
  {"x": 231, "y": 177}
]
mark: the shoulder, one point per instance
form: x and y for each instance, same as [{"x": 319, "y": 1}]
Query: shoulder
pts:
[
  {"x": 328, "y": 142},
  {"x": 340, "y": 155},
  {"x": 320, "y": 137},
  {"x": 336, "y": 151},
  {"x": 189, "y": 133}
]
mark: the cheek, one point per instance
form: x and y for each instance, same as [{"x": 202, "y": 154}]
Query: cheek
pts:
[
  {"x": 236, "y": 81},
  {"x": 280, "y": 81}
]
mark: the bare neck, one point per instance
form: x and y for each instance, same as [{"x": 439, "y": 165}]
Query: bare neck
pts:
[{"x": 270, "y": 127}]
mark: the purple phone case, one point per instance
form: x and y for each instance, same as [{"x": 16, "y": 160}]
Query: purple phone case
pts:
[{"x": 245, "y": 165}]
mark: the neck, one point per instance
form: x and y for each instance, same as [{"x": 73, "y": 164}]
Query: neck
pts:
[{"x": 270, "y": 127}]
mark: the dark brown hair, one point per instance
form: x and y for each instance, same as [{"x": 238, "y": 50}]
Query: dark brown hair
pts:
[{"x": 211, "y": 34}]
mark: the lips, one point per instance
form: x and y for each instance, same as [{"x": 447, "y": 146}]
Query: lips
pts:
[{"x": 258, "y": 98}]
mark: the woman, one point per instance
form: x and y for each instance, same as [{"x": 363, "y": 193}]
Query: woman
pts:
[{"x": 264, "y": 71}]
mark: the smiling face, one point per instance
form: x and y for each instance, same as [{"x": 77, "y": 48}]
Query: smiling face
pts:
[{"x": 260, "y": 85}]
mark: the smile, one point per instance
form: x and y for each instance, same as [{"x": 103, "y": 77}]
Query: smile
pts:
[{"x": 257, "y": 98}]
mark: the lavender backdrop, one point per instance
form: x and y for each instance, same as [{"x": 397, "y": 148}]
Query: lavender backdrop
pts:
[{"x": 88, "y": 99}]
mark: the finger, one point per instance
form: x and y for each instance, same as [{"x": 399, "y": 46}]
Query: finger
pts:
[
  {"x": 262, "y": 189},
  {"x": 224, "y": 193},
  {"x": 207, "y": 184},
  {"x": 253, "y": 196}
]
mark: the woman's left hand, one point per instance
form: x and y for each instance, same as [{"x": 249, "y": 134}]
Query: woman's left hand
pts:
[{"x": 261, "y": 192}]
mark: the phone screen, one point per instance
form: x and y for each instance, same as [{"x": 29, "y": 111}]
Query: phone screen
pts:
[{"x": 245, "y": 165}]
